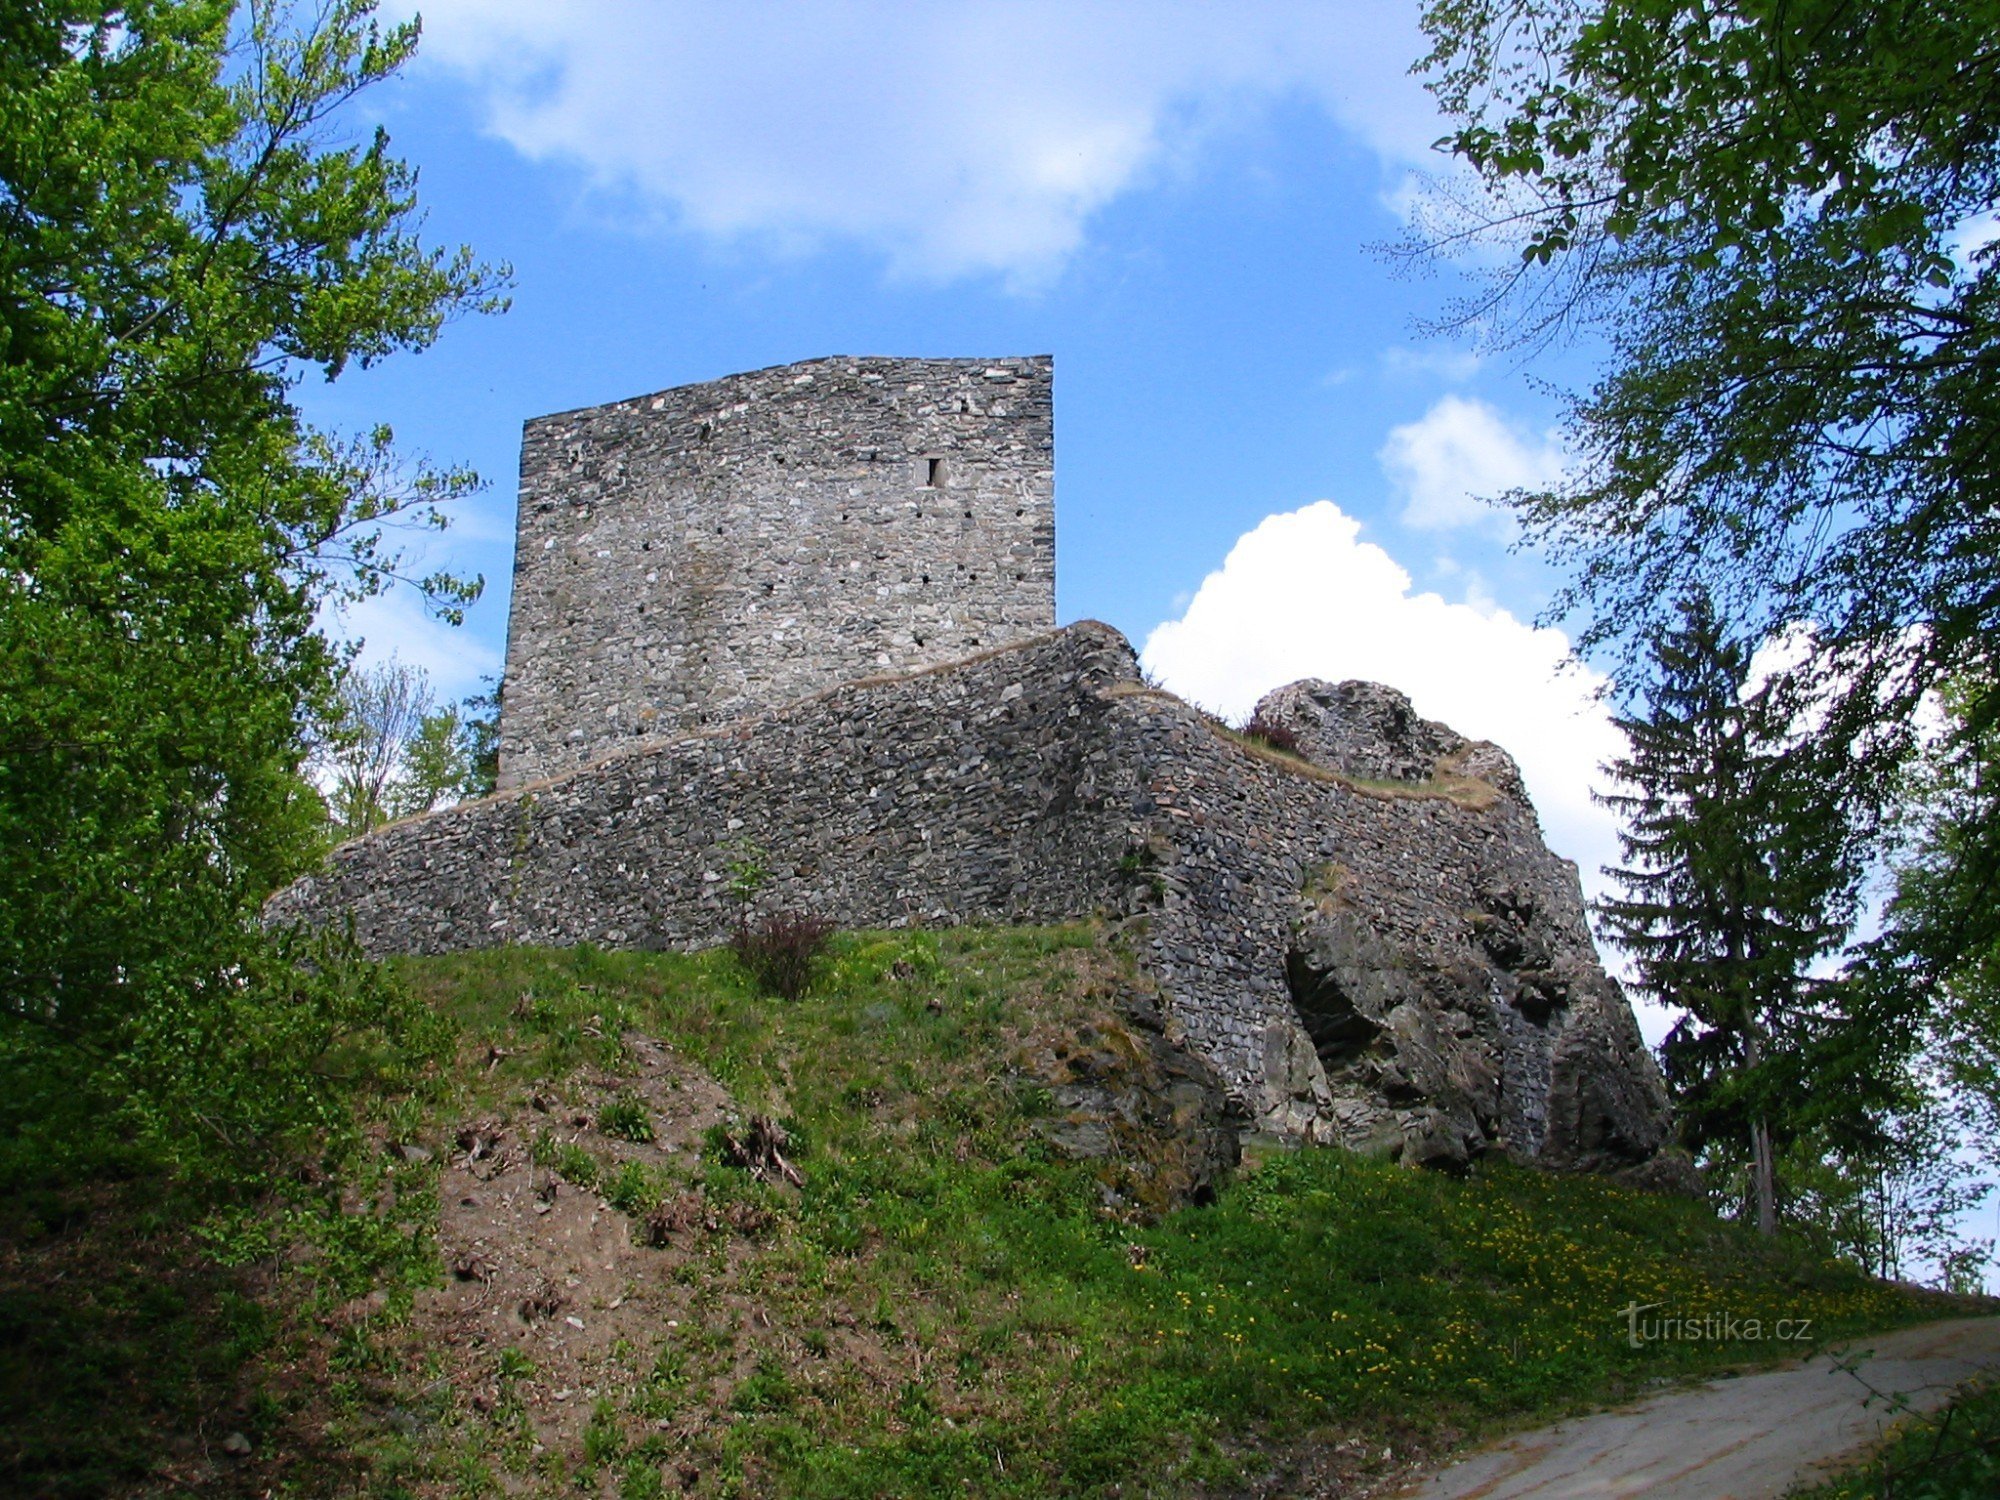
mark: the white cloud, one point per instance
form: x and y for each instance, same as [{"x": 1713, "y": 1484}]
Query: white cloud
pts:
[
  {"x": 1303, "y": 596},
  {"x": 953, "y": 139},
  {"x": 1458, "y": 456},
  {"x": 1444, "y": 364}
]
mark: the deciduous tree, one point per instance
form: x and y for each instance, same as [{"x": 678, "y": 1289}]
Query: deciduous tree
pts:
[
  {"x": 391, "y": 752},
  {"x": 1780, "y": 219},
  {"x": 1780, "y": 223},
  {"x": 187, "y": 229}
]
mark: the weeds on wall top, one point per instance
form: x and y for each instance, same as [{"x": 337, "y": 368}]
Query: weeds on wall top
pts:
[{"x": 1268, "y": 732}]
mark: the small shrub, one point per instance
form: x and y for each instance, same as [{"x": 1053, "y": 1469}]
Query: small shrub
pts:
[
  {"x": 758, "y": 1149},
  {"x": 634, "y": 1190},
  {"x": 626, "y": 1118},
  {"x": 779, "y": 952},
  {"x": 1277, "y": 736}
]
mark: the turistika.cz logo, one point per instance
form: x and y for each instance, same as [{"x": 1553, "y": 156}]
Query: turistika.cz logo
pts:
[{"x": 1711, "y": 1328}]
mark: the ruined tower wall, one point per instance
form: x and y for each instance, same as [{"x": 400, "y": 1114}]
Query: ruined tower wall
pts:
[{"x": 689, "y": 558}]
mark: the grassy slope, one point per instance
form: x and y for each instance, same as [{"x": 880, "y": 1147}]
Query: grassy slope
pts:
[
  {"x": 1027, "y": 1342},
  {"x": 946, "y": 1306}
]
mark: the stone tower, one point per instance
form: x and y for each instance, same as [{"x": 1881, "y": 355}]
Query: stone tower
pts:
[{"x": 687, "y": 558}]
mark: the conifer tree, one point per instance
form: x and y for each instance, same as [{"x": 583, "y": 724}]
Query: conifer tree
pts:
[
  {"x": 1736, "y": 878},
  {"x": 1779, "y": 221}
]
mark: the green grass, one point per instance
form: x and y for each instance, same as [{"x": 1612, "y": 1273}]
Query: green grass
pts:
[
  {"x": 945, "y": 1308},
  {"x": 1042, "y": 1346},
  {"x": 625, "y": 1119},
  {"x": 1951, "y": 1454}
]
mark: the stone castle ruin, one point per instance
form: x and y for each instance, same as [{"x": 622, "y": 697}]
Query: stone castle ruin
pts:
[
  {"x": 697, "y": 556},
  {"x": 813, "y": 608}
]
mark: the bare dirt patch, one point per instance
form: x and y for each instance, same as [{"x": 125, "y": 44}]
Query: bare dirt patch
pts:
[{"x": 554, "y": 1297}]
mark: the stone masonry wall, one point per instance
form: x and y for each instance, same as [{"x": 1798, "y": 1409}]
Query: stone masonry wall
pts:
[
  {"x": 957, "y": 795},
  {"x": 1266, "y": 877},
  {"x": 1044, "y": 782},
  {"x": 695, "y": 556}
]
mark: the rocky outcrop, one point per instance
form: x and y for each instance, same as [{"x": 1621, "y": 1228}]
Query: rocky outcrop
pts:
[
  {"x": 1367, "y": 943},
  {"x": 1500, "y": 1031},
  {"x": 1372, "y": 733},
  {"x": 1361, "y": 729},
  {"x": 1154, "y": 1118}
]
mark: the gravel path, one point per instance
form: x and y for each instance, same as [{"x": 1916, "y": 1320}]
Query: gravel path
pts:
[{"x": 1748, "y": 1438}]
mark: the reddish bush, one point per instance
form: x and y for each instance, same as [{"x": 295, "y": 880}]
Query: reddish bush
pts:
[
  {"x": 1277, "y": 736},
  {"x": 780, "y": 951}
]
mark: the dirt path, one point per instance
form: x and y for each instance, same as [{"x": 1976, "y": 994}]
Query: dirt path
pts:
[{"x": 1746, "y": 1438}]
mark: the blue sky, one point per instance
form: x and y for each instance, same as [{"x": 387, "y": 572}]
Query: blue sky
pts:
[{"x": 1263, "y": 470}]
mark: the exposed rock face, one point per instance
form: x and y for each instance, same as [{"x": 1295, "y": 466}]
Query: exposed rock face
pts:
[
  {"x": 1360, "y": 728},
  {"x": 1394, "y": 962},
  {"x": 1499, "y": 1031},
  {"x": 1369, "y": 731},
  {"x": 1154, "y": 1116},
  {"x": 1440, "y": 1054}
]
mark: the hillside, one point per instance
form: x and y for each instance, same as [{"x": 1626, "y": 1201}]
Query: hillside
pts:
[{"x": 599, "y": 1274}]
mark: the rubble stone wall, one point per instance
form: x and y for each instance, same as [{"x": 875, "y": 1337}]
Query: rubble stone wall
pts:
[
  {"x": 956, "y": 795},
  {"x": 692, "y": 557},
  {"x": 1395, "y": 964}
]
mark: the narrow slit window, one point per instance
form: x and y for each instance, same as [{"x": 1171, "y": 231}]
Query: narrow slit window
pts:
[{"x": 935, "y": 477}]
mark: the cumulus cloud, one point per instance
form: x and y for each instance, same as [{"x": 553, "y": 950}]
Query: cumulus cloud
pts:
[
  {"x": 1303, "y": 595},
  {"x": 1460, "y": 455},
  {"x": 961, "y": 138}
]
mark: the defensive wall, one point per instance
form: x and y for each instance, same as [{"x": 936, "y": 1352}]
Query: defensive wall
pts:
[{"x": 1369, "y": 941}]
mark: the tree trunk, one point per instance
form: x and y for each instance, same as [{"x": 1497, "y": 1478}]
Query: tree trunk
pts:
[
  {"x": 1763, "y": 1174},
  {"x": 1764, "y": 1179}
]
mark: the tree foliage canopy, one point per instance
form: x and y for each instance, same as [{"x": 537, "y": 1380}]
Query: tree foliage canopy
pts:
[
  {"x": 1940, "y": 927},
  {"x": 185, "y": 233},
  {"x": 1781, "y": 221},
  {"x": 1781, "y": 218},
  {"x": 392, "y": 752}
]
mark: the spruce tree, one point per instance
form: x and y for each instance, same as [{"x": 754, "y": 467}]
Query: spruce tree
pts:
[
  {"x": 1738, "y": 874},
  {"x": 1774, "y": 222}
]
